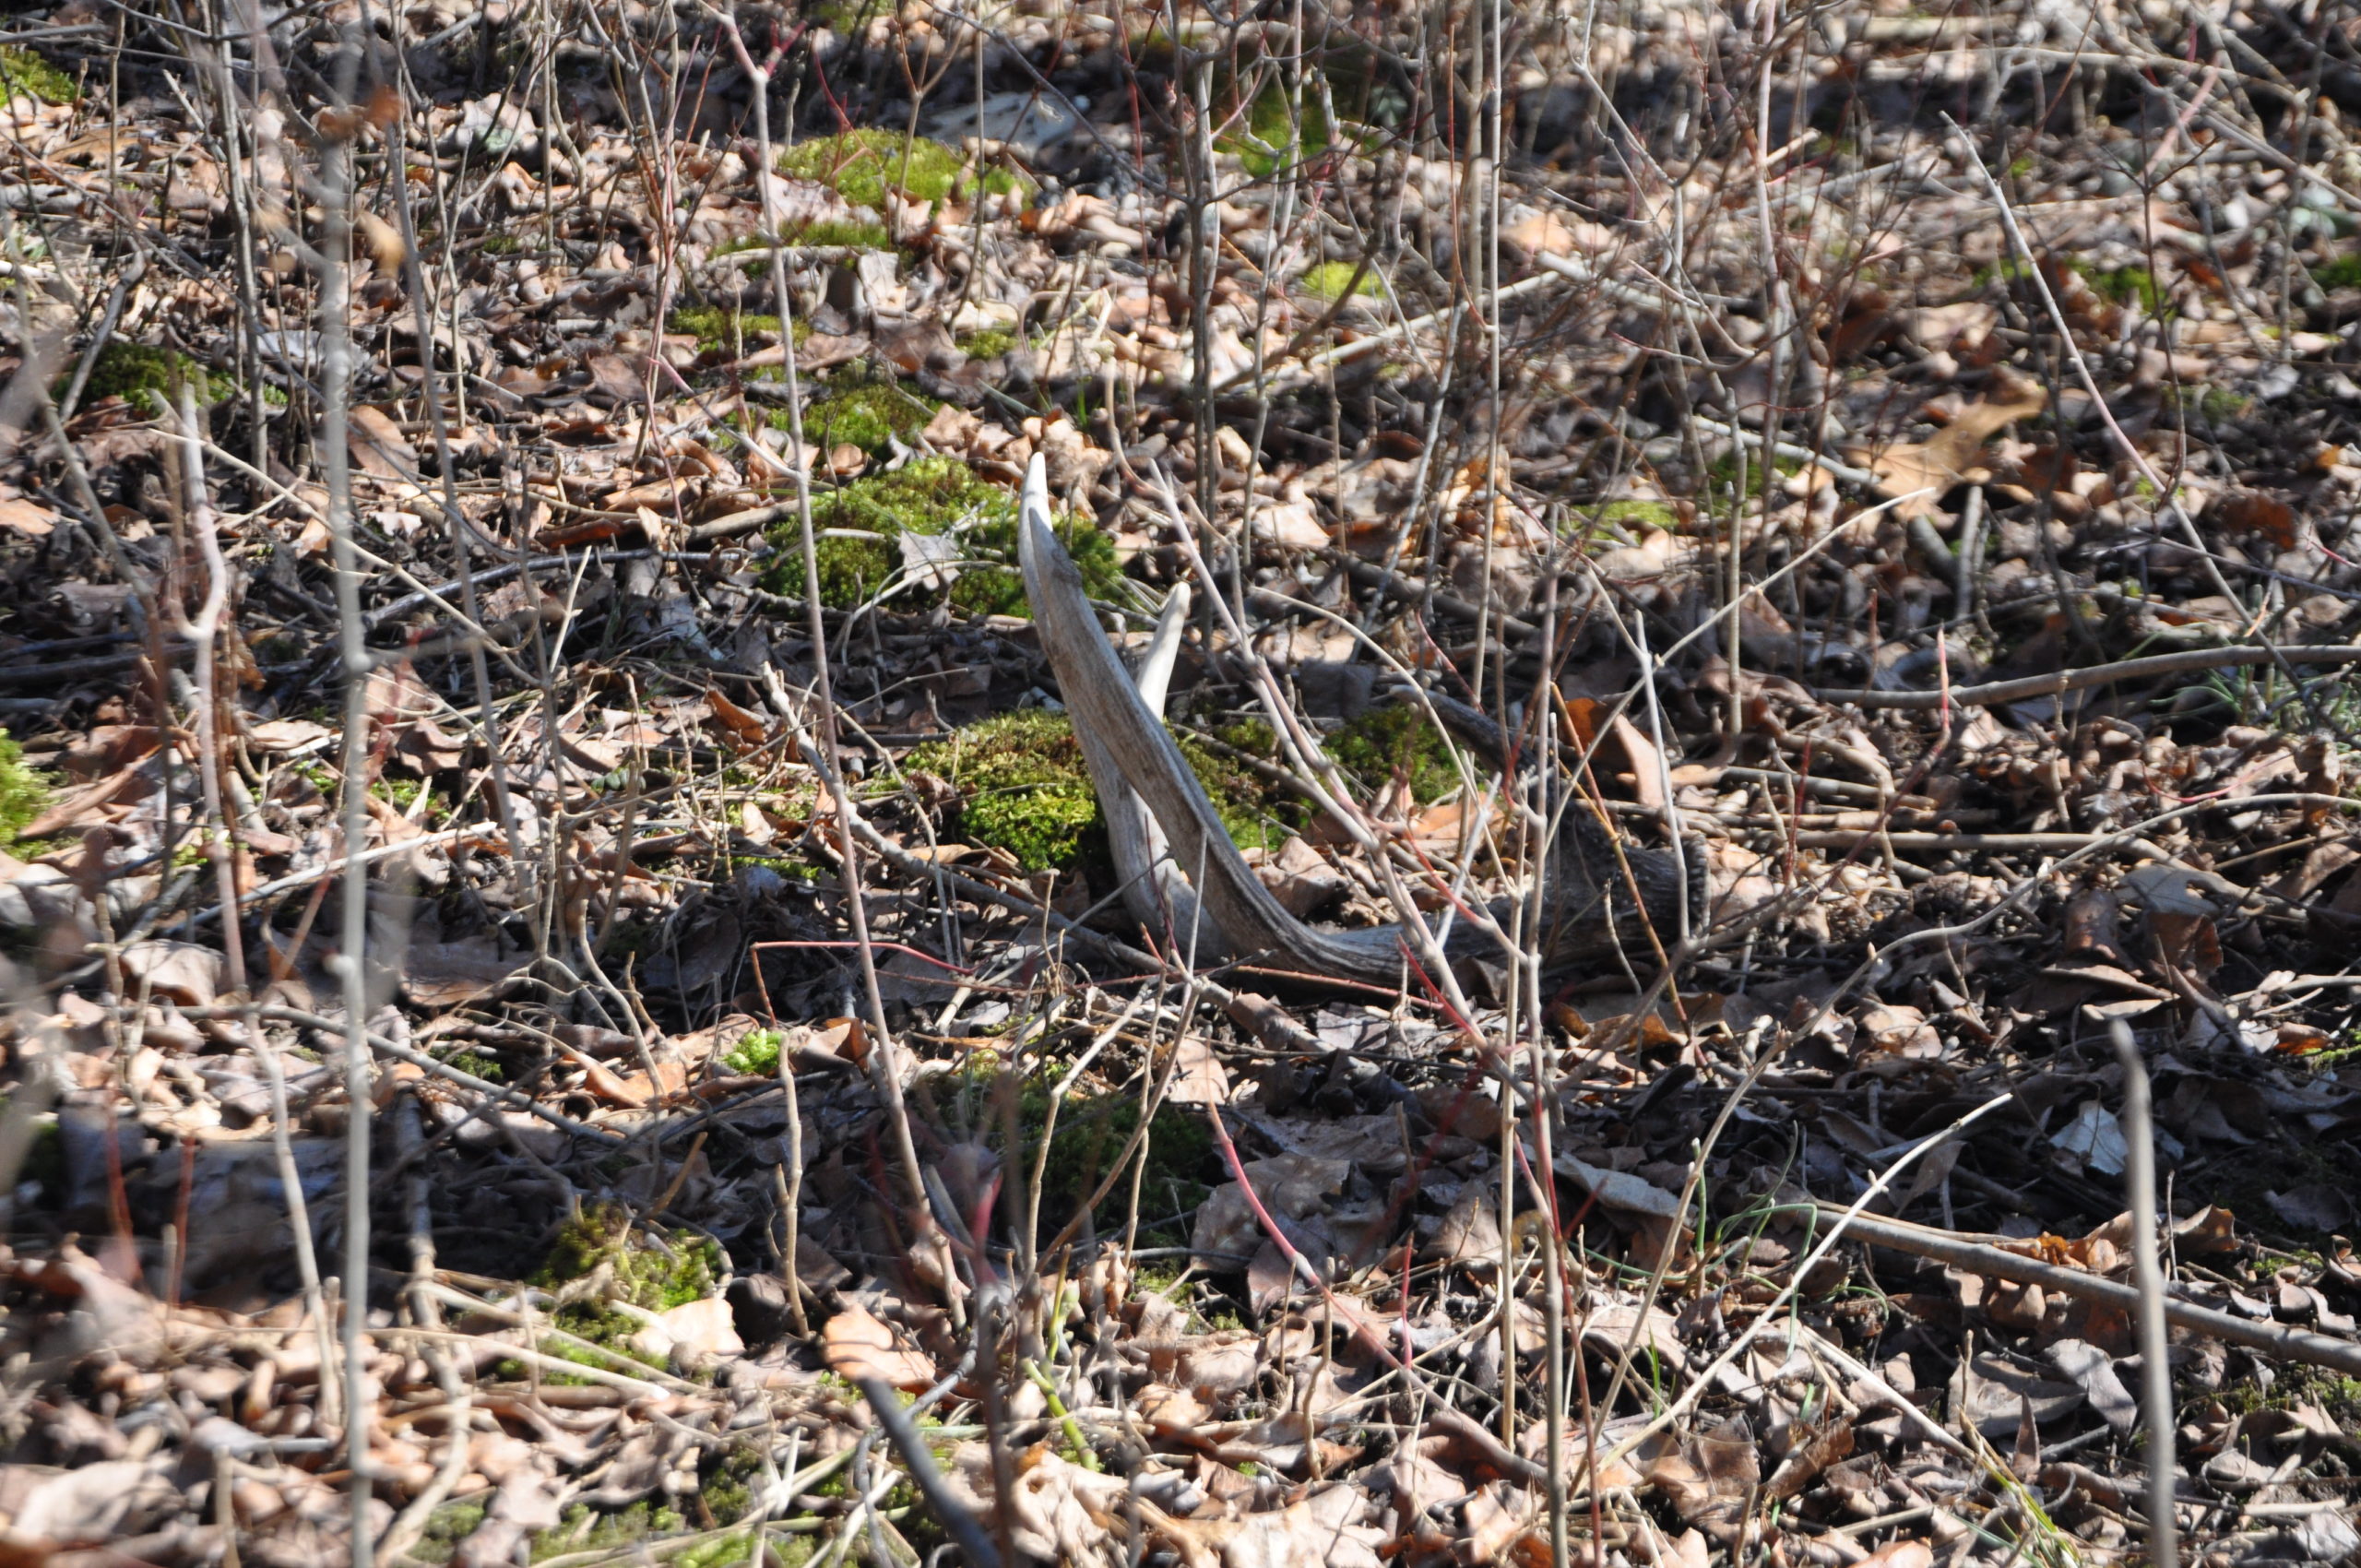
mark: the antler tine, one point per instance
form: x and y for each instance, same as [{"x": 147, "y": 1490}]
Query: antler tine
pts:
[
  {"x": 1165, "y": 832},
  {"x": 1143, "y": 785}
]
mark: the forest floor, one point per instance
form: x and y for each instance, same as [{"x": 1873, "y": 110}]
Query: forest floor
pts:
[{"x": 1897, "y": 465}]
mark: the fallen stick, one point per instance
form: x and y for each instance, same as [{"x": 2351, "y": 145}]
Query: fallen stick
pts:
[
  {"x": 1946, "y": 1247},
  {"x": 2188, "y": 661},
  {"x": 1965, "y": 843},
  {"x": 499, "y": 1095}
]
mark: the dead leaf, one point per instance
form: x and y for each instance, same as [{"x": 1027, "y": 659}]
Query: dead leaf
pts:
[
  {"x": 1321, "y": 1529},
  {"x": 2093, "y": 1372},
  {"x": 178, "y": 971},
  {"x": 2247, "y": 511},
  {"x": 1198, "y": 1078},
  {"x": 29, "y": 518},
  {"x": 1923, "y": 470},
  {"x": 1300, "y": 878},
  {"x": 1900, "y": 1554},
  {"x": 1059, "y": 1511},
  {"x": 96, "y": 1503},
  {"x": 379, "y": 445},
  {"x": 284, "y": 736},
  {"x": 86, "y": 807},
  {"x": 1810, "y": 1450},
  {"x": 1994, "y": 1394},
  {"x": 2315, "y": 1205},
  {"x": 1709, "y": 1479},
  {"x": 1291, "y": 1187},
  {"x": 692, "y": 1335},
  {"x": 857, "y": 1344}
]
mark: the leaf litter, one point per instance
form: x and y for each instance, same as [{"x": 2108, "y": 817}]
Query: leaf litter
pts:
[{"x": 1934, "y": 538}]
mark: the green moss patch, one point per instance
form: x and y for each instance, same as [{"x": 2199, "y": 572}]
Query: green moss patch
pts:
[
  {"x": 1260, "y": 132},
  {"x": 1635, "y": 515},
  {"x": 852, "y": 234},
  {"x": 714, "y": 328},
  {"x": 2340, "y": 1398},
  {"x": 988, "y": 344},
  {"x": 932, "y": 495},
  {"x": 864, "y": 412},
  {"x": 1386, "y": 743},
  {"x": 446, "y": 1528},
  {"x": 1092, "y": 1130},
  {"x": 579, "y": 1529},
  {"x": 142, "y": 377},
  {"x": 1027, "y": 789},
  {"x": 488, "y": 1068},
  {"x": 756, "y": 1053},
  {"x": 651, "y": 1273},
  {"x": 2344, "y": 272},
  {"x": 2126, "y": 284},
  {"x": 24, "y": 74},
  {"x": 1722, "y": 476},
  {"x": 862, "y": 165},
  {"x": 24, "y": 792},
  {"x": 1028, "y": 792},
  {"x": 1330, "y": 280}
]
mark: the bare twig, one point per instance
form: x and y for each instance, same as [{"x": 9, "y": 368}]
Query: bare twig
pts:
[
  {"x": 2155, "y": 1371},
  {"x": 1977, "y": 1257}
]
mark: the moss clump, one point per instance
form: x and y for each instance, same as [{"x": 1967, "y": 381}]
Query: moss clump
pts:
[
  {"x": 864, "y": 412},
  {"x": 711, "y": 325},
  {"x": 2126, "y": 284},
  {"x": 1256, "y": 820},
  {"x": 24, "y": 792},
  {"x": 446, "y": 1528},
  {"x": 1386, "y": 743},
  {"x": 729, "y": 1485},
  {"x": 852, "y": 234},
  {"x": 722, "y": 1554},
  {"x": 488, "y": 1068},
  {"x": 1639, "y": 514},
  {"x": 652, "y": 1274},
  {"x": 933, "y": 496},
  {"x": 1028, "y": 792},
  {"x": 756, "y": 1053},
  {"x": 842, "y": 16},
  {"x": 2340, "y": 1398},
  {"x": 1722, "y": 476},
  {"x": 1092, "y": 1130},
  {"x": 1027, "y": 789},
  {"x": 24, "y": 74},
  {"x": 502, "y": 244},
  {"x": 988, "y": 344},
  {"x": 2344, "y": 272},
  {"x": 861, "y": 166},
  {"x": 2007, "y": 269},
  {"x": 143, "y": 376},
  {"x": 1262, "y": 132},
  {"x": 45, "y": 1161},
  {"x": 1330, "y": 280},
  {"x": 645, "y": 1271},
  {"x": 579, "y": 1529}
]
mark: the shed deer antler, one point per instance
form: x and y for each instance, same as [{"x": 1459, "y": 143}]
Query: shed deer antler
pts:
[{"x": 1164, "y": 832}]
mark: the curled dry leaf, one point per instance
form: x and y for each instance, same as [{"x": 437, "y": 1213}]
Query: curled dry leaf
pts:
[
  {"x": 1916, "y": 474},
  {"x": 857, "y": 1344}
]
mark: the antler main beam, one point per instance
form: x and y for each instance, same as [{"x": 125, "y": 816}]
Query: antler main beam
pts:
[{"x": 1182, "y": 874}]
